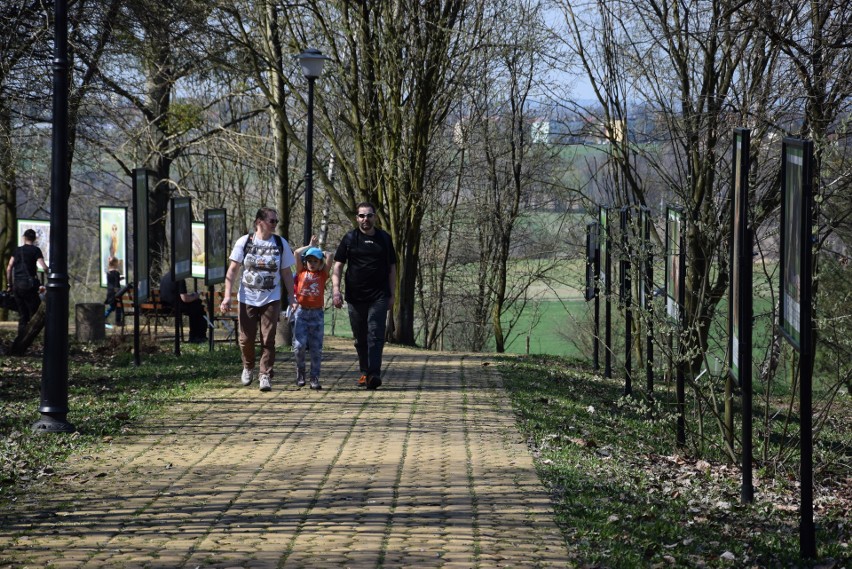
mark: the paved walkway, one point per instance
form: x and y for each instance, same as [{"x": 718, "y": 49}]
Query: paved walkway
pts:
[{"x": 428, "y": 471}]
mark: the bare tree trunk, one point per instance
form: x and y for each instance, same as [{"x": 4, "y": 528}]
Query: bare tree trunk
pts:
[
  {"x": 33, "y": 329},
  {"x": 8, "y": 197},
  {"x": 393, "y": 108},
  {"x": 278, "y": 119}
]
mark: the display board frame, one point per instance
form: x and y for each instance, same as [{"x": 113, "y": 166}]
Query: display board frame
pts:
[
  {"x": 181, "y": 238},
  {"x": 42, "y": 231},
  {"x": 113, "y": 240},
  {"x": 796, "y": 190},
  {"x": 674, "y": 263},
  {"x": 215, "y": 246},
  {"x": 592, "y": 252}
]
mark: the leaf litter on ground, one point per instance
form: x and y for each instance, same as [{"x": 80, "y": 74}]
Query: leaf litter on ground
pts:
[{"x": 645, "y": 502}]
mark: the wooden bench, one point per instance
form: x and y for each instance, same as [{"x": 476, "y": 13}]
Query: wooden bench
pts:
[{"x": 152, "y": 309}]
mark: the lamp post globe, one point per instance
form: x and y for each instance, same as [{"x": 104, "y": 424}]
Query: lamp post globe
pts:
[{"x": 312, "y": 61}]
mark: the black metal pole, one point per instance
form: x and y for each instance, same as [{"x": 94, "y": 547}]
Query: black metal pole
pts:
[
  {"x": 309, "y": 166},
  {"x": 607, "y": 311},
  {"x": 210, "y": 292},
  {"x": 628, "y": 330},
  {"x": 746, "y": 309},
  {"x": 595, "y": 281},
  {"x": 649, "y": 328},
  {"x": 137, "y": 358},
  {"x": 626, "y": 297},
  {"x": 596, "y": 336},
  {"x": 807, "y": 529},
  {"x": 680, "y": 388},
  {"x": 54, "y": 375},
  {"x": 177, "y": 304}
]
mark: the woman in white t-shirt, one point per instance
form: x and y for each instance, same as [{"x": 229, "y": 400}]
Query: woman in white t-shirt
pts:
[{"x": 266, "y": 260}]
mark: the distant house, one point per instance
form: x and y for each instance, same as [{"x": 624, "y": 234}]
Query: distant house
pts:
[
  {"x": 638, "y": 127},
  {"x": 572, "y": 131}
]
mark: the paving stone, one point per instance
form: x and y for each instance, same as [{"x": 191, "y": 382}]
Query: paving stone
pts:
[{"x": 427, "y": 471}]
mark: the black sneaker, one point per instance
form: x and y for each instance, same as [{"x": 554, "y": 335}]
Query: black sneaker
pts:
[
  {"x": 315, "y": 384},
  {"x": 373, "y": 382},
  {"x": 300, "y": 379}
]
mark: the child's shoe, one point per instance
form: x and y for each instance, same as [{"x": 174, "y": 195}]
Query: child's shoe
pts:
[{"x": 315, "y": 384}]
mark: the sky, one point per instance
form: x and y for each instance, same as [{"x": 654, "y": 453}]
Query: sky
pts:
[{"x": 581, "y": 89}]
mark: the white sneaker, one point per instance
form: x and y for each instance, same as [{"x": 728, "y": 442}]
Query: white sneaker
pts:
[
  {"x": 264, "y": 382},
  {"x": 247, "y": 376}
]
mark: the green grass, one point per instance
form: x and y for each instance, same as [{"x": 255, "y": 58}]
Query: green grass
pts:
[
  {"x": 624, "y": 496},
  {"x": 555, "y": 329}
]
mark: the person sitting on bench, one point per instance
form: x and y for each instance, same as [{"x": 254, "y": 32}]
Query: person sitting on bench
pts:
[{"x": 191, "y": 305}]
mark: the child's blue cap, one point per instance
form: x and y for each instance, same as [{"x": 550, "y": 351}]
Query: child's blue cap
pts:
[{"x": 314, "y": 252}]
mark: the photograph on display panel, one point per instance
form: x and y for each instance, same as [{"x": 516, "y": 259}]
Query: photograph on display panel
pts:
[
  {"x": 739, "y": 200},
  {"x": 198, "y": 232},
  {"x": 113, "y": 240},
  {"x": 795, "y": 170},
  {"x": 591, "y": 258},
  {"x": 216, "y": 246},
  {"x": 644, "y": 236},
  {"x": 143, "y": 181},
  {"x": 42, "y": 231},
  {"x": 181, "y": 238},
  {"x": 673, "y": 262}
]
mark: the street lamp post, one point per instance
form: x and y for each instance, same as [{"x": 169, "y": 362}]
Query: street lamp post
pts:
[
  {"x": 312, "y": 61},
  {"x": 54, "y": 374}
]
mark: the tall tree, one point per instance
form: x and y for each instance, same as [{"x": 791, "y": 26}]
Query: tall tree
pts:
[
  {"x": 397, "y": 67},
  {"x": 684, "y": 60},
  {"x": 509, "y": 166},
  {"x": 264, "y": 60},
  {"x": 23, "y": 51},
  {"x": 704, "y": 67},
  {"x": 157, "y": 45},
  {"x": 26, "y": 92}
]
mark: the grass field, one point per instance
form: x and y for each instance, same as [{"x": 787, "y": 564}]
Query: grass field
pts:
[{"x": 553, "y": 327}]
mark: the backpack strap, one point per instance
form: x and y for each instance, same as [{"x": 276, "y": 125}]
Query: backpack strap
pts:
[
  {"x": 388, "y": 249},
  {"x": 278, "y": 241},
  {"x": 249, "y": 240}
]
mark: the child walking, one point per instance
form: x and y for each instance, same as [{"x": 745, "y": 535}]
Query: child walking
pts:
[
  {"x": 312, "y": 271},
  {"x": 113, "y": 300}
]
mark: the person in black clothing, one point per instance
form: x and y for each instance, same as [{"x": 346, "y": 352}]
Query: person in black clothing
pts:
[
  {"x": 113, "y": 299},
  {"x": 191, "y": 305},
  {"x": 22, "y": 279},
  {"x": 369, "y": 286}
]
